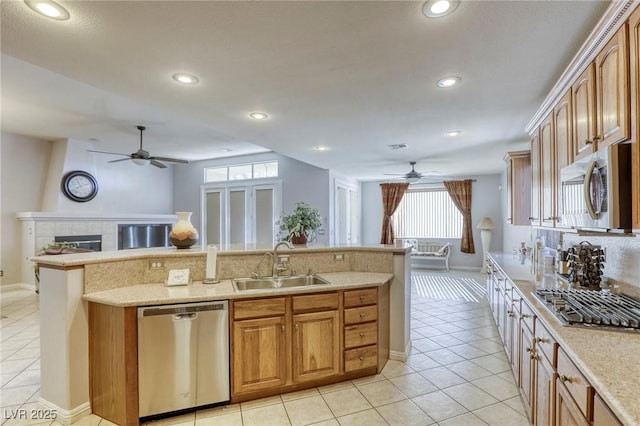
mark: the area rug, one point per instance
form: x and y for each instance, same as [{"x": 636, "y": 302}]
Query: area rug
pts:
[{"x": 448, "y": 288}]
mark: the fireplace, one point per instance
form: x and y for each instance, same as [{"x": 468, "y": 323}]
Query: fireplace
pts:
[{"x": 91, "y": 242}]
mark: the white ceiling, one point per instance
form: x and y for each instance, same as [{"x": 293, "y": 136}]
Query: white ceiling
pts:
[{"x": 355, "y": 76}]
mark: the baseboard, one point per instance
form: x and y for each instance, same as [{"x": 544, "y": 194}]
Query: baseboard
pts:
[
  {"x": 20, "y": 286},
  {"x": 401, "y": 356},
  {"x": 453, "y": 268},
  {"x": 66, "y": 417}
]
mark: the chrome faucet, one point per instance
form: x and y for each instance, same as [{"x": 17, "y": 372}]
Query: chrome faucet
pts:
[
  {"x": 256, "y": 272},
  {"x": 278, "y": 266}
]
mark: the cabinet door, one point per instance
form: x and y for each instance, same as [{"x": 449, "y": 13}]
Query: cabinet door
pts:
[
  {"x": 535, "y": 181},
  {"x": 259, "y": 354},
  {"x": 612, "y": 73},
  {"x": 602, "y": 415},
  {"x": 547, "y": 172},
  {"x": 526, "y": 366},
  {"x": 563, "y": 132},
  {"x": 510, "y": 212},
  {"x": 316, "y": 345},
  {"x": 545, "y": 390},
  {"x": 584, "y": 117},
  {"x": 567, "y": 412},
  {"x": 634, "y": 39}
]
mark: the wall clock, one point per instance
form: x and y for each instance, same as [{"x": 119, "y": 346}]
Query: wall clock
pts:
[{"x": 79, "y": 186}]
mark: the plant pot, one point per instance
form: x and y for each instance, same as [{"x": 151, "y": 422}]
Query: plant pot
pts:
[
  {"x": 299, "y": 240},
  {"x": 183, "y": 234}
]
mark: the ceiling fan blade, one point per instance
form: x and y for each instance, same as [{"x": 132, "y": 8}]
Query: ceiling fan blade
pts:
[
  {"x": 171, "y": 160},
  {"x": 158, "y": 164},
  {"x": 394, "y": 174},
  {"x": 106, "y": 152},
  {"x": 119, "y": 160}
]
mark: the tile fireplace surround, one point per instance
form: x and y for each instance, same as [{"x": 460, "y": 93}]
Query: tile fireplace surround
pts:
[{"x": 39, "y": 229}]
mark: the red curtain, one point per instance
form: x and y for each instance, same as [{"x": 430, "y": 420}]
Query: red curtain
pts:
[
  {"x": 392, "y": 194},
  {"x": 460, "y": 193}
]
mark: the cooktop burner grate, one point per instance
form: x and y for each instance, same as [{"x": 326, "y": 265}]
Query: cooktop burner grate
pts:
[{"x": 593, "y": 308}]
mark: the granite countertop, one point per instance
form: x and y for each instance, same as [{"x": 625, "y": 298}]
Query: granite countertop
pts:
[
  {"x": 160, "y": 294},
  {"x": 78, "y": 259},
  {"x": 606, "y": 358}
]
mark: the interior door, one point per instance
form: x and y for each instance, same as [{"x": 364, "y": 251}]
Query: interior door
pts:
[
  {"x": 264, "y": 214},
  {"x": 237, "y": 215},
  {"x": 347, "y": 219},
  {"x": 214, "y": 210}
]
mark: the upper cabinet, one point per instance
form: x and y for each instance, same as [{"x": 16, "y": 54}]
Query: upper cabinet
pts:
[
  {"x": 536, "y": 178},
  {"x": 547, "y": 172},
  {"x": 563, "y": 136},
  {"x": 612, "y": 77},
  {"x": 634, "y": 47},
  {"x": 584, "y": 117},
  {"x": 518, "y": 187}
]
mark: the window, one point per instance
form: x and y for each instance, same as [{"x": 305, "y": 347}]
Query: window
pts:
[
  {"x": 241, "y": 172},
  {"x": 427, "y": 213}
]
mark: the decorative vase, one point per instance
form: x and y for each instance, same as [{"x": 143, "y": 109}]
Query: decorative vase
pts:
[
  {"x": 299, "y": 240},
  {"x": 183, "y": 234}
]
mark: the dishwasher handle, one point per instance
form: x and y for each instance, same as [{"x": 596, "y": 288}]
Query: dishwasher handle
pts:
[
  {"x": 184, "y": 317},
  {"x": 183, "y": 311}
]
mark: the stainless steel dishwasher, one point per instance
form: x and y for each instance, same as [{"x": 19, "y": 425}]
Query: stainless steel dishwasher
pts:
[{"x": 183, "y": 356}]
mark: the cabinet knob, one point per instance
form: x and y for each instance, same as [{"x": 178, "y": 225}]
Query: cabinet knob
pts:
[
  {"x": 362, "y": 358},
  {"x": 297, "y": 326},
  {"x": 362, "y": 315},
  {"x": 564, "y": 378},
  {"x": 548, "y": 218},
  {"x": 511, "y": 314},
  {"x": 540, "y": 340},
  {"x": 282, "y": 327},
  {"x": 533, "y": 218},
  {"x": 523, "y": 316},
  {"x": 588, "y": 141},
  {"x": 362, "y": 298},
  {"x": 528, "y": 349},
  {"x": 362, "y": 335}
]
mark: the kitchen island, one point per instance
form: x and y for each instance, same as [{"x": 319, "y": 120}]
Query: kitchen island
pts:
[
  {"x": 134, "y": 278},
  {"x": 605, "y": 361}
]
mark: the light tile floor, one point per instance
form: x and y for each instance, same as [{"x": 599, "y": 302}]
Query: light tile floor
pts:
[{"x": 457, "y": 373}]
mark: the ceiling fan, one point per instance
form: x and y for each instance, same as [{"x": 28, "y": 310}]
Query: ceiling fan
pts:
[
  {"x": 413, "y": 176},
  {"x": 142, "y": 157}
]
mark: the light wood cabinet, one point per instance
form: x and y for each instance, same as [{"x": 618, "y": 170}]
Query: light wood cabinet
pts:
[
  {"x": 548, "y": 181},
  {"x": 545, "y": 382},
  {"x": 567, "y": 412},
  {"x": 316, "y": 345},
  {"x": 563, "y": 136},
  {"x": 634, "y": 47},
  {"x": 536, "y": 178},
  {"x": 602, "y": 415},
  {"x": 526, "y": 367},
  {"x": 584, "y": 117},
  {"x": 303, "y": 341},
  {"x": 518, "y": 187},
  {"x": 612, "y": 88},
  {"x": 259, "y": 354}
]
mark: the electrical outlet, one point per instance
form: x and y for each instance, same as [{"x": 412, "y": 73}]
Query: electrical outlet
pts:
[
  {"x": 1, "y": 273},
  {"x": 338, "y": 257},
  {"x": 283, "y": 258},
  {"x": 156, "y": 264}
]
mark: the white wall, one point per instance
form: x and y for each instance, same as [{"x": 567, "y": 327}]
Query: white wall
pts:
[
  {"x": 300, "y": 182},
  {"x": 485, "y": 201},
  {"x": 31, "y": 172},
  {"x": 22, "y": 176}
]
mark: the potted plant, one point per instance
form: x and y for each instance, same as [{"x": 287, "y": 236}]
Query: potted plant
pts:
[{"x": 301, "y": 225}]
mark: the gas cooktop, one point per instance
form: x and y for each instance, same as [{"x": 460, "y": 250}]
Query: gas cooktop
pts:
[{"x": 590, "y": 308}]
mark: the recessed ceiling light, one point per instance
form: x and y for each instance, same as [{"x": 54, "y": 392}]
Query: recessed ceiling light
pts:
[
  {"x": 185, "y": 78},
  {"x": 225, "y": 150},
  {"x": 448, "y": 81},
  {"x": 258, "y": 115},
  {"x": 453, "y": 133},
  {"x": 398, "y": 146},
  {"x": 48, "y": 8},
  {"x": 439, "y": 8},
  {"x": 320, "y": 148}
]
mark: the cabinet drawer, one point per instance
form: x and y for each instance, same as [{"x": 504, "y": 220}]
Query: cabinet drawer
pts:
[
  {"x": 546, "y": 344},
  {"x": 356, "y": 359},
  {"x": 578, "y": 387},
  {"x": 368, "y": 296},
  {"x": 258, "y": 308},
  {"x": 360, "y": 335},
  {"x": 363, "y": 314},
  {"x": 602, "y": 415},
  {"x": 314, "y": 302},
  {"x": 527, "y": 316}
]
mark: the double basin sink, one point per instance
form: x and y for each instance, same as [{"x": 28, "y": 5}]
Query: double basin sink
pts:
[{"x": 269, "y": 283}]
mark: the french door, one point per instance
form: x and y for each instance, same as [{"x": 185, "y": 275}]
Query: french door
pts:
[
  {"x": 240, "y": 214},
  {"x": 347, "y": 218}
]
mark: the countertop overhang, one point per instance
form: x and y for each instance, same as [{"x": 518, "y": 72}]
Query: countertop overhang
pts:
[{"x": 160, "y": 294}]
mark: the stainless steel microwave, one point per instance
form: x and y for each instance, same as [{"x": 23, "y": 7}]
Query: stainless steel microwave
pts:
[{"x": 596, "y": 190}]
